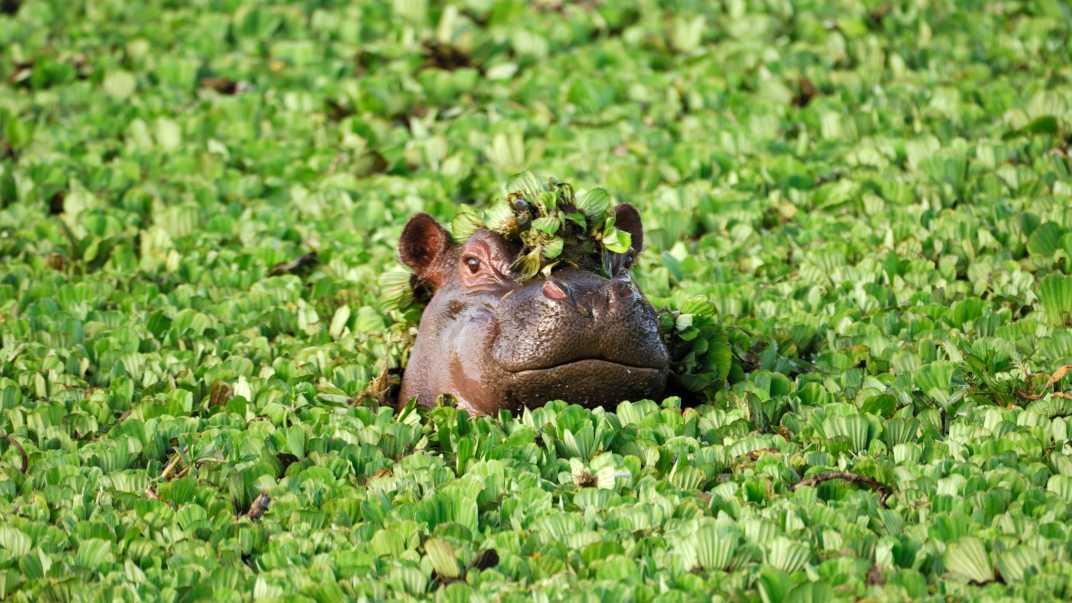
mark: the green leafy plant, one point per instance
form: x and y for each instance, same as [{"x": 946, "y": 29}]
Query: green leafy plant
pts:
[
  {"x": 553, "y": 226},
  {"x": 856, "y": 232}
]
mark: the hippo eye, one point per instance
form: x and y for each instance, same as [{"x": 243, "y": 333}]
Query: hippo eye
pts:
[{"x": 472, "y": 264}]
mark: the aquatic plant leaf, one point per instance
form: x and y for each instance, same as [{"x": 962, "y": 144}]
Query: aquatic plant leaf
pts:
[
  {"x": 595, "y": 203},
  {"x": 443, "y": 558},
  {"x": 968, "y": 559},
  {"x": 616, "y": 241},
  {"x": 788, "y": 555},
  {"x": 715, "y": 547},
  {"x": 1055, "y": 292}
]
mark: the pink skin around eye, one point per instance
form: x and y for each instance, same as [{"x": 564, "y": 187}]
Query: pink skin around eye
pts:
[{"x": 477, "y": 267}]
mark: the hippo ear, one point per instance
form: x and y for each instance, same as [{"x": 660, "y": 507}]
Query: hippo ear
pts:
[
  {"x": 627, "y": 218},
  {"x": 423, "y": 247}
]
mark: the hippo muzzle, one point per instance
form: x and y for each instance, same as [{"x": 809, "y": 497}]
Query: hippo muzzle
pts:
[{"x": 581, "y": 338}]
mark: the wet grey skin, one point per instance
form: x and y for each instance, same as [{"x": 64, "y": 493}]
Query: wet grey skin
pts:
[{"x": 495, "y": 343}]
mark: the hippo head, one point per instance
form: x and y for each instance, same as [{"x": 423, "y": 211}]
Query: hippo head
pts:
[{"x": 492, "y": 341}]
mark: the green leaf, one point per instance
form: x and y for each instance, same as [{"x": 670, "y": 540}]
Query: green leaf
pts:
[
  {"x": 773, "y": 585},
  {"x": 465, "y": 223},
  {"x": 1061, "y": 485},
  {"x": 8, "y": 187},
  {"x": 548, "y": 224},
  {"x": 507, "y": 151},
  {"x": 35, "y": 566},
  {"x": 120, "y": 84},
  {"x": 442, "y": 556},
  {"x": 936, "y": 380},
  {"x": 1045, "y": 240},
  {"x": 687, "y": 477},
  {"x": 788, "y": 555},
  {"x": 578, "y": 219},
  {"x": 1055, "y": 293},
  {"x": 93, "y": 554},
  {"x": 1018, "y": 563},
  {"x": 595, "y": 204},
  {"x": 1046, "y": 124},
  {"x": 617, "y": 241},
  {"x": 854, "y": 428},
  {"x": 553, "y": 249},
  {"x": 168, "y": 134},
  {"x": 338, "y": 322},
  {"x": 368, "y": 320},
  {"x": 527, "y": 184},
  {"x": 715, "y": 548},
  {"x": 900, "y": 430},
  {"x": 296, "y": 441},
  {"x": 967, "y": 558},
  {"x": 387, "y": 543},
  {"x": 528, "y": 265},
  {"x": 687, "y": 33},
  {"x": 14, "y": 541},
  {"x": 811, "y": 592},
  {"x": 17, "y": 133},
  {"x": 500, "y": 218}
]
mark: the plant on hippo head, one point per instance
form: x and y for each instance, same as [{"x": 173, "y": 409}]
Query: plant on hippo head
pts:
[{"x": 552, "y": 225}]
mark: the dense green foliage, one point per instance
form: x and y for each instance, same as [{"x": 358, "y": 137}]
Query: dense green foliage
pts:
[
  {"x": 859, "y": 214},
  {"x": 551, "y": 224}
]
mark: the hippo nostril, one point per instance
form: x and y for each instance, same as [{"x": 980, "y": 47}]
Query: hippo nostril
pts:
[{"x": 553, "y": 290}]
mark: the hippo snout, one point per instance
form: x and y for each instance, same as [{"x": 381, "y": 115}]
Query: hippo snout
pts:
[{"x": 574, "y": 316}]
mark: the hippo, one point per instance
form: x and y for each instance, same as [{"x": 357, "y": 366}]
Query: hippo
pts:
[{"x": 493, "y": 342}]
